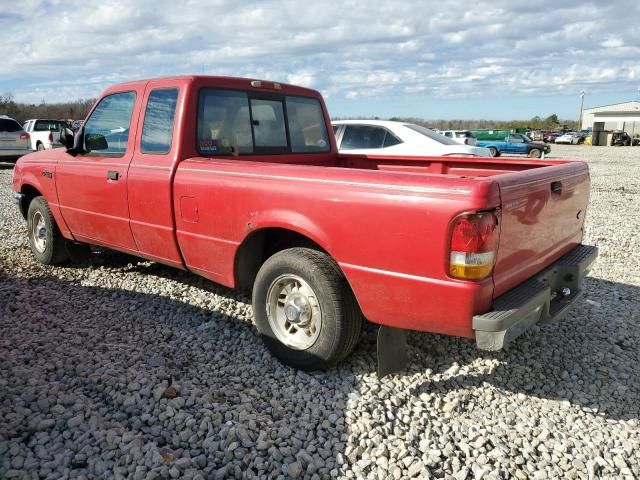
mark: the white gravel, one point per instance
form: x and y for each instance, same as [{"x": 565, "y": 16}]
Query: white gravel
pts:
[{"x": 87, "y": 354}]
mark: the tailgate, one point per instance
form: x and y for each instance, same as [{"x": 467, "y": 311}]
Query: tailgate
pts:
[{"x": 543, "y": 212}]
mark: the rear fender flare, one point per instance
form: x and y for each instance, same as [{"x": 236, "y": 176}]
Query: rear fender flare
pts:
[{"x": 290, "y": 220}]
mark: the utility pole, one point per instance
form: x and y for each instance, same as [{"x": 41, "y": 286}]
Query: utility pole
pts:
[{"x": 581, "y": 108}]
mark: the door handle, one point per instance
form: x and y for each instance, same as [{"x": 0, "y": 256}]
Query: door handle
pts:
[
  {"x": 556, "y": 186},
  {"x": 113, "y": 175}
]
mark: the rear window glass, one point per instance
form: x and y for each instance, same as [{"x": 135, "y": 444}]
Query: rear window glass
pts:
[
  {"x": 268, "y": 123},
  {"x": 431, "y": 134},
  {"x": 232, "y": 122},
  {"x": 45, "y": 125},
  {"x": 157, "y": 130},
  {"x": 357, "y": 137},
  {"x": 307, "y": 125},
  {"x": 8, "y": 125}
]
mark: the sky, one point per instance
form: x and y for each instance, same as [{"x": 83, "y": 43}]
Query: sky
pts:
[{"x": 494, "y": 59}]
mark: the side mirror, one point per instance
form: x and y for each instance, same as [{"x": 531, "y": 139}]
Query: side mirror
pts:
[
  {"x": 66, "y": 137},
  {"x": 95, "y": 141}
]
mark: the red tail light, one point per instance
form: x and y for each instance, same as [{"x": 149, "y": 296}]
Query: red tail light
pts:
[
  {"x": 474, "y": 244},
  {"x": 50, "y": 137},
  {"x": 24, "y": 136}
]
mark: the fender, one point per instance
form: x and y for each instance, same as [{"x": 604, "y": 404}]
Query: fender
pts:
[
  {"x": 45, "y": 184},
  {"x": 289, "y": 220}
]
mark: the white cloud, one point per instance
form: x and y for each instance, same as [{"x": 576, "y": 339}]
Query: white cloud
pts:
[{"x": 359, "y": 48}]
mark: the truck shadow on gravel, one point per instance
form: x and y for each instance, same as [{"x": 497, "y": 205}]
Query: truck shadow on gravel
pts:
[
  {"x": 98, "y": 361},
  {"x": 96, "y": 364}
]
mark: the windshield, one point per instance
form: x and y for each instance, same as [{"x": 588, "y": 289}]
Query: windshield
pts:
[{"x": 431, "y": 134}]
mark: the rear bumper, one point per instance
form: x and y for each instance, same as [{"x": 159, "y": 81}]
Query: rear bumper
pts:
[{"x": 537, "y": 300}]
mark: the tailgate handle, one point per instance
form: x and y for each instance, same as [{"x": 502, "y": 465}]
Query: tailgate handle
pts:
[
  {"x": 556, "y": 186},
  {"x": 113, "y": 175}
]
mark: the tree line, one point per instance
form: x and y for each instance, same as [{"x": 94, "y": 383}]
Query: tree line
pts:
[
  {"x": 552, "y": 122},
  {"x": 76, "y": 110},
  {"x": 79, "y": 109}
]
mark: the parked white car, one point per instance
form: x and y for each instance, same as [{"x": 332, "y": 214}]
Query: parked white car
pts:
[
  {"x": 465, "y": 137},
  {"x": 385, "y": 137},
  {"x": 14, "y": 141},
  {"x": 45, "y": 134},
  {"x": 572, "y": 138}
]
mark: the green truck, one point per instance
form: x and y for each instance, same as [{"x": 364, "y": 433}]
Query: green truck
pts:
[{"x": 492, "y": 134}]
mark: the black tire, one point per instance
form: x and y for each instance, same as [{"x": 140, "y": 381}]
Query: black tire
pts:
[
  {"x": 53, "y": 250},
  {"x": 494, "y": 151},
  {"x": 341, "y": 319},
  {"x": 40, "y": 147},
  {"x": 535, "y": 153}
]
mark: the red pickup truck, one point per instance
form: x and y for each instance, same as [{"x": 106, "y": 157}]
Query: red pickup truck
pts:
[{"x": 240, "y": 181}]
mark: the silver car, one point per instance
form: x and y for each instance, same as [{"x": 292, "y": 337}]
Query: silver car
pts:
[{"x": 14, "y": 141}]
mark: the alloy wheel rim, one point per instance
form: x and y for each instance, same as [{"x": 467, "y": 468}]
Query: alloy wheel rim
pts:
[
  {"x": 39, "y": 232},
  {"x": 294, "y": 312}
]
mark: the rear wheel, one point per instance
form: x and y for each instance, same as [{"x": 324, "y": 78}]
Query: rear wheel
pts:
[
  {"x": 493, "y": 151},
  {"x": 535, "y": 153},
  {"x": 40, "y": 146},
  {"x": 304, "y": 309},
  {"x": 46, "y": 241}
]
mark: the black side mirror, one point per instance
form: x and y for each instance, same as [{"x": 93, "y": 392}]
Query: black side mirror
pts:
[
  {"x": 66, "y": 137},
  {"x": 95, "y": 141}
]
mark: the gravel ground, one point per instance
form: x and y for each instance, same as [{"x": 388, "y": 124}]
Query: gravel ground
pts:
[{"x": 119, "y": 368}]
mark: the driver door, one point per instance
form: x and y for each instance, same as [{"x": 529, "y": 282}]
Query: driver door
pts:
[{"x": 92, "y": 186}]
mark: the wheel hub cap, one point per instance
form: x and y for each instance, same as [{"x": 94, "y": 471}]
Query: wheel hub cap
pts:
[
  {"x": 294, "y": 312},
  {"x": 39, "y": 232}
]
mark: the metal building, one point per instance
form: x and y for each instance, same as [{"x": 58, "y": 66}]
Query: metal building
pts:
[{"x": 619, "y": 116}]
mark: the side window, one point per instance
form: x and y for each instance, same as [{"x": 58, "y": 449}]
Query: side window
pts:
[
  {"x": 107, "y": 131},
  {"x": 224, "y": 124},
  {"x": 335, "y": 129},
  {"x": 157, "y": 129},
  {"x": 390, "y": 140},
  {"x": 307, "y": 127},
  {"x": 447, "y": 134},
  {"x": 515, "y": 139},
  {"x": 362, "y": 136}
]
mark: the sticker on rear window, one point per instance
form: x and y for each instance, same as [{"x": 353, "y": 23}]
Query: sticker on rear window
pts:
[{"x": 208, "y": 145}]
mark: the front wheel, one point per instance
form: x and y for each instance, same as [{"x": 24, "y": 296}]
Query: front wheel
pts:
[
  {"x": 46, "y": 241},
  {"x": 305, "y": 310},
  {"x": 535, "y": 153}
]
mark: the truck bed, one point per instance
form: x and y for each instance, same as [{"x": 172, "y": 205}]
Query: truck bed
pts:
[{"x": 458, "y": 166}]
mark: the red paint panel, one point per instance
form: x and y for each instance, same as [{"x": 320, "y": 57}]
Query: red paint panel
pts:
[
  {"x": 539, "y": 226},
  {"x": 388, "y": 230}
]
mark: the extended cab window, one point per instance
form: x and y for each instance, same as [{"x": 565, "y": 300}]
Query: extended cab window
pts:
[
  {"x": 157, "y": 130},
  {"x": 107, "y": 131},
  {"x": 236, "y": 122}
]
